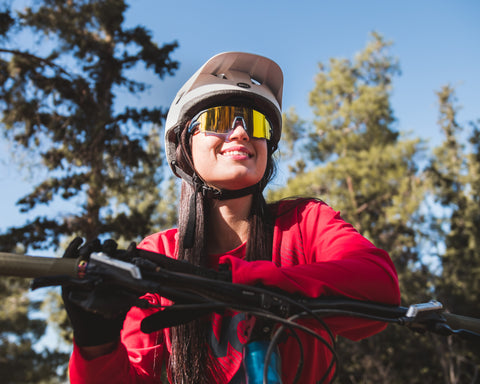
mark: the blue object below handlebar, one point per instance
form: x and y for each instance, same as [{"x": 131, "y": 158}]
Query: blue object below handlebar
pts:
[{"x": 254, "y": 359}]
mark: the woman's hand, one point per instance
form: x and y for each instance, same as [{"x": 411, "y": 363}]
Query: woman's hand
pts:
[{"x": 96, "y": 331}]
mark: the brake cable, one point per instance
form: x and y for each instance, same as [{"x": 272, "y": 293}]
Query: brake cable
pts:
[{"x": 204, "y": 293}]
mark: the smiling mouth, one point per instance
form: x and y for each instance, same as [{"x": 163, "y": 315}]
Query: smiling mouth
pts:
[{"x": 236, "y": 153}]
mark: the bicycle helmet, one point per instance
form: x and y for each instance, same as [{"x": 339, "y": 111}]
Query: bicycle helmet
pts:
[{"x": 230, "y": 78}]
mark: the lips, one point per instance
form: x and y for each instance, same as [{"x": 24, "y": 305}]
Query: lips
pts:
[{"x": 236, "y": 152}]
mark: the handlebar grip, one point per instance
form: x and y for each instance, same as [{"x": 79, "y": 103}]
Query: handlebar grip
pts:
[
  {"x": 462, "y": 322},
  {"x": 35, "y": 266}
]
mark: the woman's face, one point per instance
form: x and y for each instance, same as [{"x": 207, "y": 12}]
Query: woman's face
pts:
[{"x": 231, "y": 161}]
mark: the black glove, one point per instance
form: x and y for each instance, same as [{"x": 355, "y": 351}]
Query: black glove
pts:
[{"x": 96, "y": 314}]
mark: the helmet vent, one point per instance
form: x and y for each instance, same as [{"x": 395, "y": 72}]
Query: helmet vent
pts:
[
  {"x": 221, "y": 76},
  {"x": 255, "y": 81}
]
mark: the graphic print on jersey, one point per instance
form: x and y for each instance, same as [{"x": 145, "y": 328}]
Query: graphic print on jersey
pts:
[{"x": 229, "y": 333}]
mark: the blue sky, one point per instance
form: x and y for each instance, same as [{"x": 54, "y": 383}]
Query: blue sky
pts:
[{"x": 437, "y": 43}]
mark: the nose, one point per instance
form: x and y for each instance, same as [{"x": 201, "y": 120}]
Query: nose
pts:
[{"x": 238, "y": 132}]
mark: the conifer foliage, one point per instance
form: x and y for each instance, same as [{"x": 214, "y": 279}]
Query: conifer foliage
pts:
[
  {"x": 455, "y": 174},
  {"x": 58, "y": 101},
  {"x": 20, "y": 361},
  {"x": 357, "y": 160},
  {"x": 62, "y": 65}
]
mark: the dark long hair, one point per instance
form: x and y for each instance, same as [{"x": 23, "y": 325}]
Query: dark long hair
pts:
[{"x": 191, "y": 360}]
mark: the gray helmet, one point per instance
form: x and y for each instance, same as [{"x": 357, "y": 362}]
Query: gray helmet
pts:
[{"x": 227, "y": 78}]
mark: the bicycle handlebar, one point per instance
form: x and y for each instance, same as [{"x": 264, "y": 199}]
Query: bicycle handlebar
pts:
[
  {"x": 38, "y": 267},
  {"x": 458, "y": 322},
  {"x": 198, "y": 292},
  {"x": 35, "y": 266}
]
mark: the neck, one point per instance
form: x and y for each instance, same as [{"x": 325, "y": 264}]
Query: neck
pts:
[{"x": 228, "y": 224}]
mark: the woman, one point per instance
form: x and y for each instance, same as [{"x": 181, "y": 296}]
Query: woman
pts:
[{"x": 221, "y": 132}]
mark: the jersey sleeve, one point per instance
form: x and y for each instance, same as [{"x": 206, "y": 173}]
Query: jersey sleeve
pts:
[
  {"x": 316, "y": 253},
  {"x": 112, "y": 368},
  {"x": 137, "y": 358}
]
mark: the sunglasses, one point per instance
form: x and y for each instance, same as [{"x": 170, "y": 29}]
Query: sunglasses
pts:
[{"x": 222, "y": 120}]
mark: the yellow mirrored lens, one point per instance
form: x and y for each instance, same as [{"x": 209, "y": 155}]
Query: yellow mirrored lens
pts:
[
  {"x": 220, "y": 120},
  {"x": 260, "y": 125}
]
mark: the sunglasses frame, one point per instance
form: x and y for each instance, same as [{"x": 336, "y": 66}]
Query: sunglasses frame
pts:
[{"x": 195, "y": 123}]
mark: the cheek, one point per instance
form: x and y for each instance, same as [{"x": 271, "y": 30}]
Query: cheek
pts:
[
  {"x": 196, "y": 154},
  {"x": 195, "y": 151},
  {"x": 201, "y": 153}
]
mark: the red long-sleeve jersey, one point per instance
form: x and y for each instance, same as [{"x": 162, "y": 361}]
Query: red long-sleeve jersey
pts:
[{"x": 315, "y": 253}]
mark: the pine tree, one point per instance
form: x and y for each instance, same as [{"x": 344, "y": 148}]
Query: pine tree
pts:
[
  {"x": 62, "y": 65},
  {"x": 455, "y": 173},
  {"x": 59, "y": 102},
  {"x": 356, "y": 161}
]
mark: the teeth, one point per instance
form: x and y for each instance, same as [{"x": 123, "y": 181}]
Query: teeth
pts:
[{"x": 235, "y": 153}]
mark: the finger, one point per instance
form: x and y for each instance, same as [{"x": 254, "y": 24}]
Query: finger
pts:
[
  {"x": 132, "y": 247},
  {"x": 90, "y": 247},
  {"x": 109, "y": 247},
  {"x": 72, "y": 250},
  {"x": 132, "y": 250}
]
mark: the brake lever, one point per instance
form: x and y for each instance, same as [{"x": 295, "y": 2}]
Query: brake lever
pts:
[
  {"x": 426, "y": 317},
  {"x": 99, "y": 269}
]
